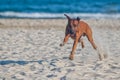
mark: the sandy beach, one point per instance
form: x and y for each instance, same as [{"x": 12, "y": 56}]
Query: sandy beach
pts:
[{"x": 29, "y": 50}]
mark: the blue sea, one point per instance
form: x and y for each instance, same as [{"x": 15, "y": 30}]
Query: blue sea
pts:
[{"x": 56, "y": 8}]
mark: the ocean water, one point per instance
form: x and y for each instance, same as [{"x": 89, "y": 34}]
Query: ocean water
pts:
[{"x": 56, "y": 8}]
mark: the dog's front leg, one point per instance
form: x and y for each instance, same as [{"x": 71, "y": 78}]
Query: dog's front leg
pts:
[
  {"x": 65, "y": 40},
  {"x": 74, "y": 48}
]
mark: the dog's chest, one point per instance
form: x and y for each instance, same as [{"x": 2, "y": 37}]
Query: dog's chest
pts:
[{"x": 73, "y": 36}]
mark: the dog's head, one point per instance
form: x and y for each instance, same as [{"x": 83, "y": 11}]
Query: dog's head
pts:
[{"x": 72, "y": 24}]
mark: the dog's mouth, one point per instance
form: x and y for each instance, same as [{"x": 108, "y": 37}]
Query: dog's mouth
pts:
[{"x": 72, "y": 31}]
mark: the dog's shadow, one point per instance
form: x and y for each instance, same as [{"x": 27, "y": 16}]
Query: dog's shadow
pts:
[{"x": 7, "y": 62}]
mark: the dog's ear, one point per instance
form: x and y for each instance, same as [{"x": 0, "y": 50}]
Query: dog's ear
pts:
[
  {"x": 78, "y": 18},
  {"x": 67, "y": 17}
]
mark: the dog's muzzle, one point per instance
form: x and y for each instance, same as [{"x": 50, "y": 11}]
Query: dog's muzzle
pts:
[{"x": 72, "y": 32}]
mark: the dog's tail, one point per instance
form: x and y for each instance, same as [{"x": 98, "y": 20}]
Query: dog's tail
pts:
[{"x": 67, "y": 16}]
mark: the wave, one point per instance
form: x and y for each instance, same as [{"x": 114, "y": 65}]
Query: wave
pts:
[{"x": 56, "y": 15}]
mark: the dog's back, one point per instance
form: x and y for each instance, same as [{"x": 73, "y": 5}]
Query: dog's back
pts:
[{"x": 84, "y": 27}]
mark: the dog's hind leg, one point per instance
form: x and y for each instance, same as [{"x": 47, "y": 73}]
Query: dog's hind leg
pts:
[
  {"x": 101, "y": 56},
  {"x": 90, "y": 38},
  {"x": 82, "y": 42}
]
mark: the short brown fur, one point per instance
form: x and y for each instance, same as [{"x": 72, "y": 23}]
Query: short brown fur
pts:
[{"x": 80, "y": 28}]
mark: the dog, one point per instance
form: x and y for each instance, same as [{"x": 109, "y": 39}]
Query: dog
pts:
[{"x": 76, "y": 29}]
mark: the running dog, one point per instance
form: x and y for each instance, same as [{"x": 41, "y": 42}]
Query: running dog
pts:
[{"x": 76, "y": 29}]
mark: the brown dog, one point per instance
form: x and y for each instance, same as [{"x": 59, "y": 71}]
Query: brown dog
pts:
[{"x": 75, "y": 29}]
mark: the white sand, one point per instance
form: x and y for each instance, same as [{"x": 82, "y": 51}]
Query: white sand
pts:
[{"x": 35, "y": 54}]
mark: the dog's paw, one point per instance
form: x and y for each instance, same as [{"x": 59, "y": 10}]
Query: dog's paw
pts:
[
  {"x": 61, "y": 45},
  {"x": 71, "y": 57}
]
